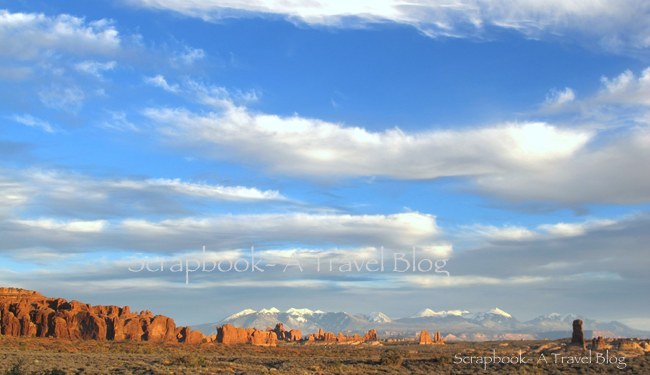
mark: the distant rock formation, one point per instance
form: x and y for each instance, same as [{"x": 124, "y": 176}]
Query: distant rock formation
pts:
[
  {"x": 370, "y": 336},
  {"x": 295, "y": 335},
  {"x": 629, "y": 346},
  {"x": 284, "y": 335},
  {"x": 230, "y": 335},
  {"x": 331, "y": 338},
  {"x": 599, "y": 343},
  {"x": 186, "y": 335},
  {"x": 425, "y": 338},
  {"x": 578, "y": 337},
  {"x": 28, "y": 313},
  {"x": 280, "y": 332}
]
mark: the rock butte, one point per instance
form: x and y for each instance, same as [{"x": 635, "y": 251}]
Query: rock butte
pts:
[
  {"x": 425, "y": 338},
  {"x": 28, "y": 313},
  {"x": 577, "y": 337}
]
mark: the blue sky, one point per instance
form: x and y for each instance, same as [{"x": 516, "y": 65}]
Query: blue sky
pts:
[{"x": 511, "y": 141}]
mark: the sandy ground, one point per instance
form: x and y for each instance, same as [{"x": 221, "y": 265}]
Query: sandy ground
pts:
[{"x": 52, "y": 356}]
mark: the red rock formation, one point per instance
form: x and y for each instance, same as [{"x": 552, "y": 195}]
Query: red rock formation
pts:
[
  {"x": 28, "y": 313},
  {"x": 425, "y": 338},
  {"x": 329, "y": 337},
  {"x": 264, "y": 338},
  {"x": 187, "y": 336},
  {"x": 229, "y": 335},
  {"x": 280, "y": 332},
  {"x": 578, "y": 337},
  {"x": 599, "y": 343},
  {"x": 295, "y": 335},
  {"x": 370, "y": 336}
]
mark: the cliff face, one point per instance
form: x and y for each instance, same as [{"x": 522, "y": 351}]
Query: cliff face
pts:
[{"x": 28, "y": 313}]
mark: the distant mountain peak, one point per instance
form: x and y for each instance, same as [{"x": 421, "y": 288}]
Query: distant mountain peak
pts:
[
  {"x": 272, "y": 310},
  {"x": 498, "y": 311},
  {"x": 427, "y": 313},
  {"x": 379, "y": 317},
  {"x": 241, "y": 313},
  {"x": 301, "y": 312}
]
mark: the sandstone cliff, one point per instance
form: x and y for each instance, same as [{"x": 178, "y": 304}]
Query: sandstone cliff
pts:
[{"x": 28, "y": 313}]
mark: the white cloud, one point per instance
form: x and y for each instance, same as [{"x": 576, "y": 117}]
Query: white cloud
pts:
[
  {"x": 558, "y": 98},
  {"x": 508, "y": 233},
  {"x": 26, "y": 36},
  {"x": 29, "y": 120},
  {"x": 575, "y": 229},
  {"x": 621, "y": 25},
  {"x": 160, "y": 82},
  {"x": 222, "y": 232},
  {"x": 604, "y": 174},
  {"x": 404, "y": 229},
  {"x": 63, "y": 193},
  {"x": 304, "y": 146},
  {"x": 189, "y": 56},
  {"x": 625, "y": 89},
  {"x": 437, "y": 281},
  {"x": 618, "y": 98},
  {"x": 544, "y": 231},
  {"x": 63, "y": 98},
  {"x": 534, "y": 162},
  {"x": 221, "y": 192},
  {"x": 95, "y": 68},
  {"x": 77, "y": 226},
  {"x": 119, "y": 121}
]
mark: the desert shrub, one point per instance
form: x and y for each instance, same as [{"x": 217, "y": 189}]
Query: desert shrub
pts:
[
  {"x": 391, "y": 358},
  {"x": 17, "y": 369},
  {"x": 54, "y": 371},
  {"x": 189, "y": 360}
]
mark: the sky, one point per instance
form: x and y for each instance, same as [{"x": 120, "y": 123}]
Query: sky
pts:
[{"x": 502, "y": 148}]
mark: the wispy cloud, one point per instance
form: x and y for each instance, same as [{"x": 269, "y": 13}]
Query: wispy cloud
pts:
[
  {"x": 31, "y": 121},
  {"x": 544, "y": 231},
  {"x": 63, "y": 98},
  {"x": 556, "y": 99},
  {"x": 61, "y": 193},
  {"x": 220, "y": 232},
  {"x": 622, "y": 25},
  {"x": 95, "y": 68},
  {"x": 160, "y": 82}
]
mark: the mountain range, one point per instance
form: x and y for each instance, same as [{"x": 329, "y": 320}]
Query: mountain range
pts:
[{"x": 494, "y": 324}]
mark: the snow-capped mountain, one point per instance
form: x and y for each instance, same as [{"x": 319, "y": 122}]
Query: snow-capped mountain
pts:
[
  {"x": 493, "y": 324},
  {"x": 494, "y": 315},
  {"x": 427, "y": 313},
  {"x": 379, "y": 317}
]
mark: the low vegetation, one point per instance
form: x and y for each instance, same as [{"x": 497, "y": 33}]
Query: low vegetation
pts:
[{"x": 49, "y": 356}]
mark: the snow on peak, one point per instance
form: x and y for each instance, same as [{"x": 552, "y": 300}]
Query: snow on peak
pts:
[
  {"x": 425, "y": 313},
  {"x": 431, "y": 313},
  {"x": 299, "y": 312},
  {"x": 272, "y": 310},
  {"x": 498, "y": 311},
  {"x": 241, "y": 313},
  {"x": 379, "y": 317}
]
